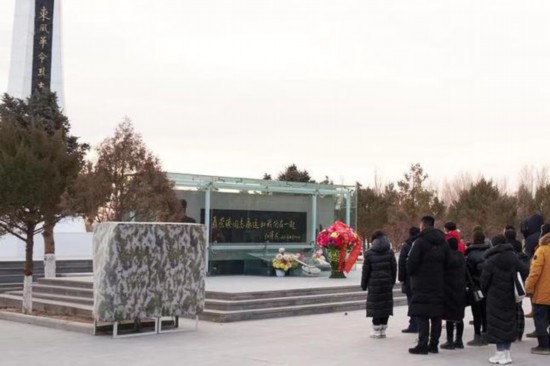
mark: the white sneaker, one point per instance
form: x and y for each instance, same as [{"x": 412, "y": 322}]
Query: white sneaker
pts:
[
  {"x": 500, "y": 358},
  {"x": 508, "y": 357},
  {"x": 383, "y": 331},
  {"x": 376, "y": 332}
]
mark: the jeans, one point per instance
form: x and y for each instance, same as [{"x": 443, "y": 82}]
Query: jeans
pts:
[
  {"x": 501, "y": 347},
  {"x": 425, "y": 333},
  {"x": 541, "y": 315}
]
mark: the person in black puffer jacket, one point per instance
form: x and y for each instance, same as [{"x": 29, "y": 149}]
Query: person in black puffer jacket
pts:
[
  {"x": 497, "y": 284},
  {"x": 379, "y": 274},
  {"x": 475, "y": 257},
  {"x": 530, "y": 228},
  {"x": 426, "y": 266},
  {"x": 455, "y": 296},
  {"x": 404, "y": 277},
  {"x": 510, "y": 235}
]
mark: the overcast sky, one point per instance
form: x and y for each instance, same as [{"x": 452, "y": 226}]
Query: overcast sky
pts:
[{"x": 342, "y": 88}]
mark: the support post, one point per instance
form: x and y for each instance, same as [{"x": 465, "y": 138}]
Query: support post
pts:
[
  {"x": 207, "y": 206},
  {"x": 348, "y": 208},
  {"x": 313, "y": 217}
]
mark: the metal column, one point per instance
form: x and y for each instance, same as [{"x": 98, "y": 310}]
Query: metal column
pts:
[
  {"x": 348, "y": 208},
  {"x": 207, "y": 205},
  {"x": 313, "y": 217}
]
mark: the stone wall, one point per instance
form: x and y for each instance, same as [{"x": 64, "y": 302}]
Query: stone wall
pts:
[{"x": 148, "y": 270}]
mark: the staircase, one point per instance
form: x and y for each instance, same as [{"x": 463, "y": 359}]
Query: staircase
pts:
[
  {"x": 11, "y": 272},
  {"x": 75, "y": 298}
]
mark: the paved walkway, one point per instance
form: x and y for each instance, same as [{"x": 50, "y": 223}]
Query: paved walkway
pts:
[{"x": 330, "y": 339}]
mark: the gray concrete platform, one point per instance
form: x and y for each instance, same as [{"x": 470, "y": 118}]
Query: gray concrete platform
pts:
[
  {"x": 328, "y": 339},
  {"x": 234, "y": 284}
]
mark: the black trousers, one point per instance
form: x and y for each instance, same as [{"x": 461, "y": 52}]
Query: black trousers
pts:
[
  {"x": 450, "y": 326},
  {"x": 380, "y": 321},
  {"x": 429, "y": 329},
  {"x": 480, "y": 316}
]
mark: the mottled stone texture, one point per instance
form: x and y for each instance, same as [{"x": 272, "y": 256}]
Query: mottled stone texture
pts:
[{"x": 146, "y": 270}]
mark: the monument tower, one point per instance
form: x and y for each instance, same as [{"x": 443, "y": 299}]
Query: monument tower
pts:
[{"x": 36, "y": 49}]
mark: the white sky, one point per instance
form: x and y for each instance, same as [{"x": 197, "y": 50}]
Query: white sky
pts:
[{"x": 342, "y": 88}]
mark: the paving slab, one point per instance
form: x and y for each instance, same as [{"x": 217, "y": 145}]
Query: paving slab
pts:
[{"x": 327, "y": 339}]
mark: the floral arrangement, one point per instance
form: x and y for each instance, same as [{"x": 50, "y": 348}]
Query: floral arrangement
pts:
[
  {"x": 338, "y": 239},
  {"x": 318, "y": 258},
  {"x": 285, "y": 261}
]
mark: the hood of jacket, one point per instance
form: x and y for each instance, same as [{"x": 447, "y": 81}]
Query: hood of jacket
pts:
[
  {"x": 545, "y": 240},
  {"x": 433, "y": 236},
  {"x": 508, "y": 261},
  {"x": 381, "y": 244},
  {"x": 481, "y": 247},
  {"x": 534, "y": 223}
]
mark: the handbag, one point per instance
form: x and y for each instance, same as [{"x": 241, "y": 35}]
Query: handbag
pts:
[
  {"x": 474, "y": 291},
  {"x": 519, "y": 288}
]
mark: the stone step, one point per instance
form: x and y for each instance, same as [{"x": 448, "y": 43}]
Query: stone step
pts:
[
  {"x": 7, "y": 287},
  {"x": 276, "y": 301},
  {"x": 60, "y": 281},
  {"x": 54, "y": 297},
  {"x": 254, "y": 295},
  {"x": 64, "y": 290},
  {"x": 49, "y": 306},
  {"x": 219, "y": 316}
]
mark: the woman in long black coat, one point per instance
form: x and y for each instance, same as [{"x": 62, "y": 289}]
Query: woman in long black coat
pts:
[
  {"x": 497, "y": 284},
  {"x": 455, "y": 296},
  {"x": 379, "y": 274}
]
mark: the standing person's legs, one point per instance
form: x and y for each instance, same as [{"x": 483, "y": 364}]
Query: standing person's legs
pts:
[
  {"x": 413, "y": 326},
  {"x": 540, "y": 315},
  {"x": 483, "y": 308},
  {"x": 450, "y": 327},
  {"x": 383, "y": 326},
  {"x": 476, "y": 312},
  {"x": 423, "y": 335},
  {"x": 435, "y": 333},
  {"x": 376, "y": 327},
  {"x": 459, "y": 332}
]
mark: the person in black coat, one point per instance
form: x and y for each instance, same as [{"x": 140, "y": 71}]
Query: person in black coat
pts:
[
  {"x": 404, "y": 277},
  {"x": 497, "y": 284},
  {"x": 379, "y": 274},
  {"x": 455, "y": 296},
  {"x": 426, "y": 266},
  {"x": 530, "y": 228},
  {"x": 510, "y": 235},
  {"x": 475, "y": 257}
]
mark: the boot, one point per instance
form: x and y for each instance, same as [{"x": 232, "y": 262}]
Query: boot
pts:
[
  {"x": 484, "y": 338},
  {"x": 499, "y": 358},
  {"x": 448, "y": 345},
  {"x": 418, "y": 350},
  {"x": 477, "y": 341},
  {"x": 376, "y": 332},
  {"x": 383, "y": 331},
  {"x": 458, "y": 344}
]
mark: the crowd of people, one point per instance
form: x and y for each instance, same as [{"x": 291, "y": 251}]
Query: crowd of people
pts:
[{"x": 442, "y": 276}]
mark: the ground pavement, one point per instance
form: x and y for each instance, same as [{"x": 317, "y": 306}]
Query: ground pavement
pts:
[{"x": 328, "y": 339}]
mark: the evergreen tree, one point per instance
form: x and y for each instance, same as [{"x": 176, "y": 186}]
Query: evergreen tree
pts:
[{"x": 38, "y": 164}]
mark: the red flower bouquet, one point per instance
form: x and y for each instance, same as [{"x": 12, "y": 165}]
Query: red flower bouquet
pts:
[{"x": 338, "y": 239}]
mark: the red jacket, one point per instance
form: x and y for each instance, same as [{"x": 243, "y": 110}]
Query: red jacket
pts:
[{"x": 455, "y": 234}]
